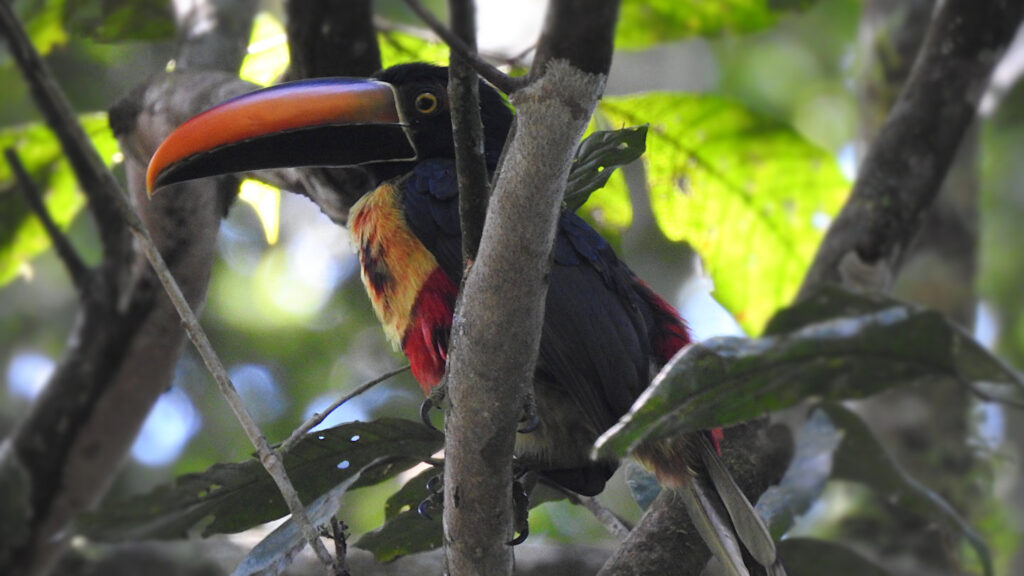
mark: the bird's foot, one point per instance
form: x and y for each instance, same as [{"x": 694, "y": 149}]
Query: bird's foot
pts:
[
  {"x": 529, "y": 420},
  {"x": 520, "y": 512},
  {"x": 435, "y": 497},
  {"x": 435, "y": 399}
]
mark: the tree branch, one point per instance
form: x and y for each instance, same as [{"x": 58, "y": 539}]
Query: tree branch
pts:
[
  {"x": 467, "y": 132},
  {"x": 467, "y": 51},
  {"x": 904, "y": 169},
  {"x": 319, "y": 417},
  {"x": 77, "y": 269},
  {"x": 496, "y": 333},
  {"x": 92, "y": 174}
]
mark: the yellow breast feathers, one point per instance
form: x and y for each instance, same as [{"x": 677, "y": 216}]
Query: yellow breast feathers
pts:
[{"x": 394, "y": 264}]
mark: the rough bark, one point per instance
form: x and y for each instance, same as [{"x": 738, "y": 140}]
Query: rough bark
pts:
[
  {"x": 496, "y": 334},
  {"x": 123, "y": 347},
  {"x": 928, "y": 429},
  {"x": 902, "y": 173}
]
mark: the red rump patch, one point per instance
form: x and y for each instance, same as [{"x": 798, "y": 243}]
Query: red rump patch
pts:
[
  {"x": 671, "y": 337},
  {"x": 671, "y": 334},
  {"x": 425, "y": 342}
]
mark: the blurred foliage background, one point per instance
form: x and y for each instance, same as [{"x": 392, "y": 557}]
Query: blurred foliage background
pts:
[{"x": 738, "y": 88}]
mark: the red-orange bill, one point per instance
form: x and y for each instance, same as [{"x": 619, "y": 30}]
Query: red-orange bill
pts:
[{"x": 322, "y": 122}]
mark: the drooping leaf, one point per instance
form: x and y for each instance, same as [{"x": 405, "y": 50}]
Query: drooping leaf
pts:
[
  {"x": 240, "y": 496},
  {"x": 120, "y": 20},
  {"x": 748, "y": 193},
  {"x": 643, "y": 23},
  {"x": 723, "y": 381},
  {"x": 404, "y": 534},
  {"x": 405, "y": 531},
  {"x": 597, "y": 158},
  {"x": 398, "y": 47},
  {"x": 805, "y": 478},
  {"x": 275, "y": 552},
  {"x": 21, "y": 234},
  {"x": 409, "y": 496},
  {"x": 862, "y": 458},
  {"x": 811, "y": 557}
]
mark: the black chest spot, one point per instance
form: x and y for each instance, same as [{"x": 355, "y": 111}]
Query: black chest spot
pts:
[{"x": 374, "y": 267}]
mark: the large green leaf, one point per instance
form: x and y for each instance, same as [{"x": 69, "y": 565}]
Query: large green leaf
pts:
[
  {"x": 275, "y": 552},
  {"x": 748, "y": 193},
  {"x": 240, "y": 496},
  {"x": 723, "y": 381},
  {"x": 643, "y": 23},
  {"x": 21, "y": 234}
]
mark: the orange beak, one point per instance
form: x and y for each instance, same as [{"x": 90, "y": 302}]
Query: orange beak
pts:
[{"x": 323, "y": 122}]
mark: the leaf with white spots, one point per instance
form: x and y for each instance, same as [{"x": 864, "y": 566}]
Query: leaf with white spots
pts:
[{"x": 234, "y": 497}]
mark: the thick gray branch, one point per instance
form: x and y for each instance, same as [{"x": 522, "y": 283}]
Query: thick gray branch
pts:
[
  {"x": 907, "y": 163},
  {"x": 496, "y": 333},
  {"x": 122, "y": 350}
]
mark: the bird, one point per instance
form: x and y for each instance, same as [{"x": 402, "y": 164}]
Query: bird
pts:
[{"x": 605, "y": 332}]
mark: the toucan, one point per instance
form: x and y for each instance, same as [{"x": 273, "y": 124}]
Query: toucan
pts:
[{"x": 605, "y": 332}]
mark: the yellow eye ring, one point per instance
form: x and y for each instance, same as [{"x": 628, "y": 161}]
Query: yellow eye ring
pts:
[{"x": 426, "y": 103}]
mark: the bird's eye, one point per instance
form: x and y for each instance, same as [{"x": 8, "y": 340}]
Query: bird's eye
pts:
[{"x": 426, "y": 103}]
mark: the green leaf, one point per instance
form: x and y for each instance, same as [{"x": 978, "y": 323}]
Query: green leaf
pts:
[
  {"x": 21, "y": 234},
  {"x": 723, "y": 381},
  {"x": 240, "y": 496},
  {"x": 120, "y": 20},
  {"x": 398, "y": 47},
  {"x": 862, "y": 458},
  {"x": 749, "y": 194},
  {"x": 404, "y": 534},
  {"x": 409, "y": 496},
  {"x": 268, "y": 55},
  {"x": 275, "y": 552},
  {"x": 811, "y": 557},
  {"x": 597, "y": 158},
  {"x": 43, "y": 22},
  {"x": 805, "y": 478},
  {"x": 643, "y": 23}
]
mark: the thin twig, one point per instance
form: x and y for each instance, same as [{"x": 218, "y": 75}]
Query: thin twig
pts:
[
  {"x": 268, "y": 457},
  {"x": 615, "y": 526},
  {"x": 611, "y": 522},
  {"x": 319, "y": 417},
  {"x": 501, "y": 81},
  {"x": 467, "y": 132},
  {"x": 105, "y": 198},
  {"x": 77, "y": 269}
]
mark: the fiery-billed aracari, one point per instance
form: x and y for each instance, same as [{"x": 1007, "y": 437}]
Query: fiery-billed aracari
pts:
[{"x": 605, "y": 332}]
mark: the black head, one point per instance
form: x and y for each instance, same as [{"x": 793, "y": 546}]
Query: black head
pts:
[{"x": 423, "y": 103}]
